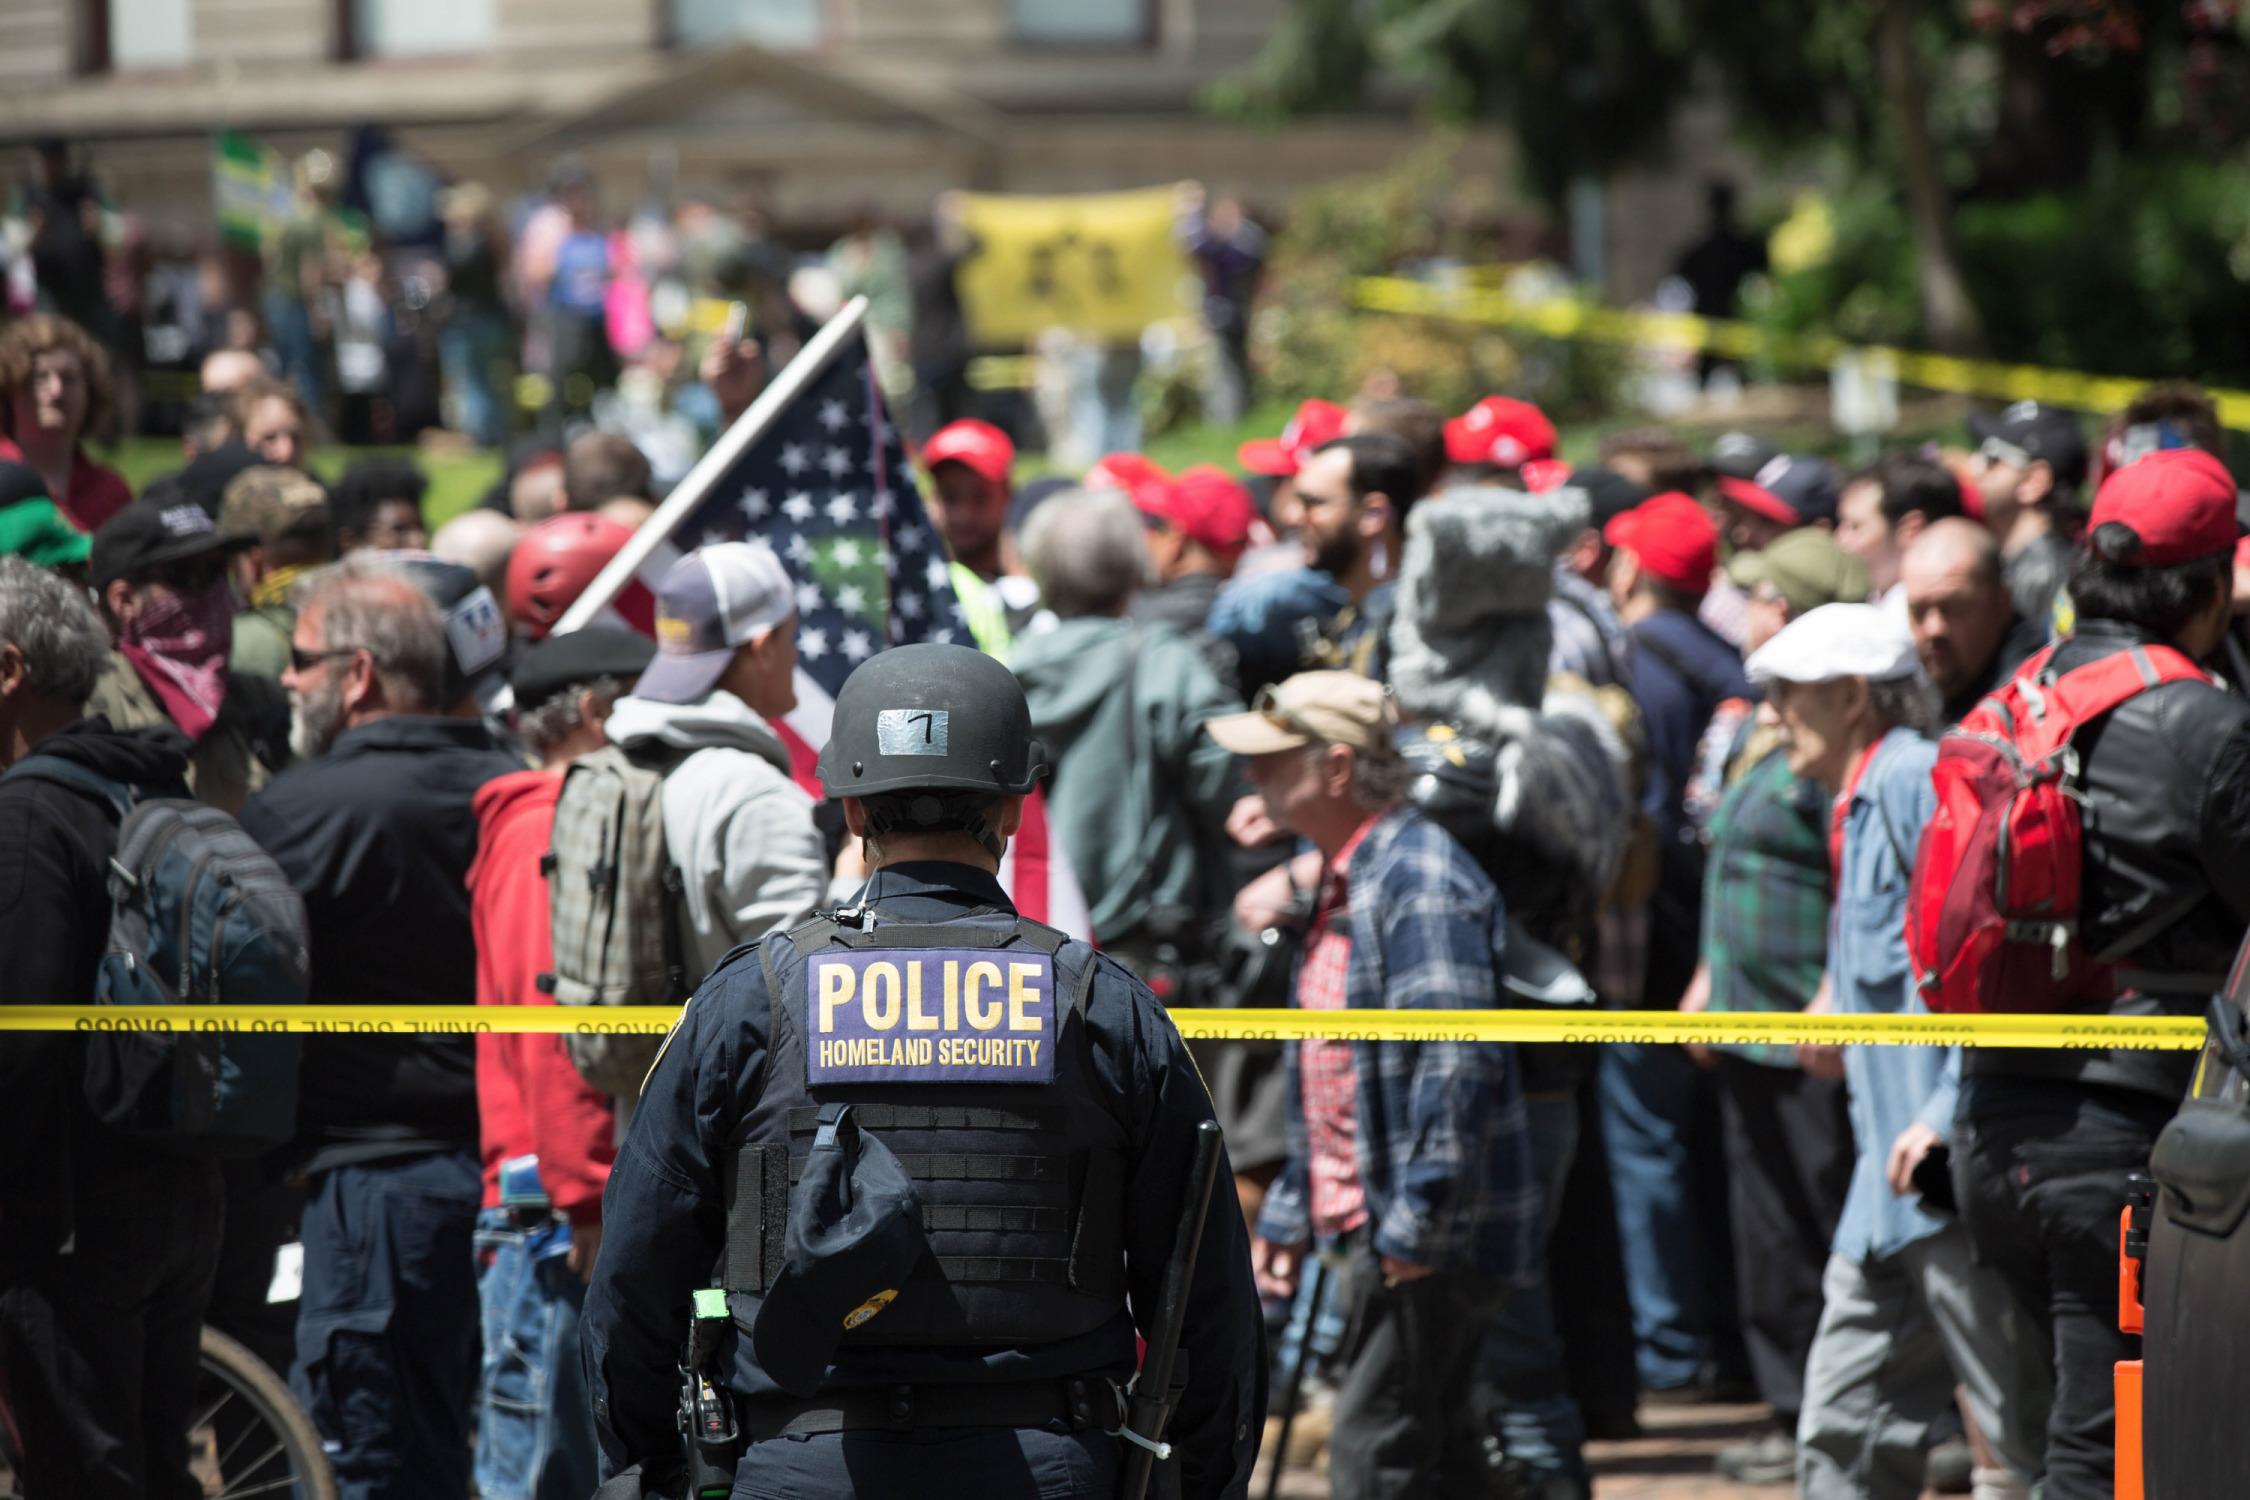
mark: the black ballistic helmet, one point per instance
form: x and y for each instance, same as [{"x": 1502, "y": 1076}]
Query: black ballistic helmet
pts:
[
  {"x": 931, "y": 719},
  {"x": 929, "y": 736}
]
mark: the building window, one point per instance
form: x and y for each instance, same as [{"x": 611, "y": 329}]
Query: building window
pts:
[
  {"x": 145, "y": 34},
  {"x": 1082, "y": 23},
  {"x": 420, "y": 28},
  {"x": 786, "y": 25}
]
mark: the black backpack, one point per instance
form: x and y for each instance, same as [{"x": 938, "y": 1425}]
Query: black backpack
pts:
[{"x": 199, "y": 915}]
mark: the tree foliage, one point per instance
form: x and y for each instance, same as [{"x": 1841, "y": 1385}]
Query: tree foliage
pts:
[
  {"x": 2002, "y": 120},
  {"x": 2024, "y": 95}
]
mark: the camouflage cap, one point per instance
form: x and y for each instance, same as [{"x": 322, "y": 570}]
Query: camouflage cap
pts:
[{"x": 266, "y": 503}]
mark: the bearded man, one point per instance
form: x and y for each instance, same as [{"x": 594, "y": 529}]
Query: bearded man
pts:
[{"x": 376, "y": 830}]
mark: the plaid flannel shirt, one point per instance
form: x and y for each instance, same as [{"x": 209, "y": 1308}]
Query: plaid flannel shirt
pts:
[
  {"x": 1327, "y": 1072},
  {"x": 1444, "y": 1151},
  {"x": 1766, "y": 896}
]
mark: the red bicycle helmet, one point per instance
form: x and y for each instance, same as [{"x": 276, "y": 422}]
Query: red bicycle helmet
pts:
[{"x": 554, "y": 562}]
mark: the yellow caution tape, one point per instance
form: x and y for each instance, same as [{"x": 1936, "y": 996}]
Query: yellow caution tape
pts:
[
  {"x": 1610, "y": 1027},
  {"x": 349, "y": 1020},
  {"x": 1569, "y": 318}
]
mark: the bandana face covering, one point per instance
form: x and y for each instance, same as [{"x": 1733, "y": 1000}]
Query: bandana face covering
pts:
[{"x": 178, "y": 644}]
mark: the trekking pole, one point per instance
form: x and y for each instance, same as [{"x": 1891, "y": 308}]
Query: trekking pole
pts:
[
  {"x": 1150, "y": 1406},
  {"x": 1313, "y": 1279}
]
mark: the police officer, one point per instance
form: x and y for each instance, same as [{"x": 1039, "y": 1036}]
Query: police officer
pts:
[{"x": 926, "y": 1055}]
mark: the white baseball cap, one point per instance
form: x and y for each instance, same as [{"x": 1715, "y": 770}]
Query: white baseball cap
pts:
[
  {"x": 1837, "y": 641},
  {"x": 711, "y": 601}
]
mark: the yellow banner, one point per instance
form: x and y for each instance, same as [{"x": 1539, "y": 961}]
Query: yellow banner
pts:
[
  {"x": 1106, "y": 264},
  {"x": 1648, "y": 1027},
  {"x": 1568, "y": 318}
]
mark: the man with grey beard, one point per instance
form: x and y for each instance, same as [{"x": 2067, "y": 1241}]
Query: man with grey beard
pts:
[{"x": 376, "y": 830}]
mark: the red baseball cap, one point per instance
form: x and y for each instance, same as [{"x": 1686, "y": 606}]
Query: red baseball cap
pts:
[
  {"x": 1500, "y": 430},
  {"x": 1127, "y": 472},
  {"x": 1758, "y": 500},
  {"x": 2179, "y": 502},
  {"x": 1674, "y": 538},
  {"x": 980, "y": 445},
  {"x": 1543, "y": 474},
  {"x": 1316, "y": 422},
  {"x": 1206, "y": 503}
]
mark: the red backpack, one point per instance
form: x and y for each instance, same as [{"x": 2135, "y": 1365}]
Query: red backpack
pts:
[{"x": 1993, "y": 920}]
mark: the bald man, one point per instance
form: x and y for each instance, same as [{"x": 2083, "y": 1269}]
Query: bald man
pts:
[
  {"x": 1965, "y": 625},
  {"x": 226, "y": 370},
  {"x": 479, "y": 540}
]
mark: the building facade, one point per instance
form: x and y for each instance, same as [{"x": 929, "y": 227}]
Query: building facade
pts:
[{"x": 820, "y": 109}]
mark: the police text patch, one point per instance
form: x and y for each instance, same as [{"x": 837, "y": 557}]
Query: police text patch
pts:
[{"x": 930, "y": 1015}]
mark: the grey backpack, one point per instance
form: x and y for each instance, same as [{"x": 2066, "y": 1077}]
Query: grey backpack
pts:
[{"x": 614, "y": 904}]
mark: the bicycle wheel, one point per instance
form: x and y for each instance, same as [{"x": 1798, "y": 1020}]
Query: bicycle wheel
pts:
[{"x": 249, "y": 1436}]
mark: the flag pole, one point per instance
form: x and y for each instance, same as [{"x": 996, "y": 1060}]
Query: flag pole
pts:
[{"x": 811, "y": 363}]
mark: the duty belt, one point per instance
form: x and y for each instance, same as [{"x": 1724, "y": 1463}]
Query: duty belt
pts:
[{"x": 902, "y": 1408}]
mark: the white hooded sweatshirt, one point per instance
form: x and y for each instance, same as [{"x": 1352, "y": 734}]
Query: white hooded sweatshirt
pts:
[{"x": 740, "y": 830}]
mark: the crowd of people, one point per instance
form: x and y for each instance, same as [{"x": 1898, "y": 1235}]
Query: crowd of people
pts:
[
  {"x": 1405, "y": 713},
  {"x": 423, "y": 318}
]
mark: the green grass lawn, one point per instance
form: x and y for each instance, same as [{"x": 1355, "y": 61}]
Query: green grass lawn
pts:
[{"x": 457, "y": 481}]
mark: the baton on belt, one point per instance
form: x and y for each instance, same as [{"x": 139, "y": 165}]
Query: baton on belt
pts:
[{"x": 1149, "y": 1408}]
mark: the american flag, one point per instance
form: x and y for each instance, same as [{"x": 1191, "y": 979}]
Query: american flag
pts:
[{"x": 829, "y": 488}]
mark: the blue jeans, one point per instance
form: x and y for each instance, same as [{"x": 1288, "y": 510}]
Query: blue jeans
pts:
[
  {"x": 471, "y": 346},
  {"x": 289, "y": 326},
  {"x": 1326, "y": 1317},
  {"x": 535, "y": 1419},
  {"x": 387, "y": 1325},
  {"x": 933, "y": 1463},
  {"x": 1522, "y": 1358},
  {"x": 1671, "y": 1225}
]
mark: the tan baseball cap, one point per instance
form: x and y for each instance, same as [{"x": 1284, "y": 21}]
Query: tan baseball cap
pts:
[{"x": 1336, "y": 708}]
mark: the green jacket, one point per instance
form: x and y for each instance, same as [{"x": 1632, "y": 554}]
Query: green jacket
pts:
[
  {"x": 1140, "y": 792},
  {"x": 236, "y": 756},
  {"x": 261, "y": 641}
]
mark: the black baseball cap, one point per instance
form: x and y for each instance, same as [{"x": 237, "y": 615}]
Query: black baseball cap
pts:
[
  {"x": 855, "y": 1233},
  {"x": 564, "y": 661},
  {"x": 157, "y": 529},
  {"x": 1610, "y": 493},
  {"x": 1809, "y": 486},
  {"x": 1740, "y": 455},
  {"x": 2039, "y": 432},
  {"x": 207, "y": 475}
]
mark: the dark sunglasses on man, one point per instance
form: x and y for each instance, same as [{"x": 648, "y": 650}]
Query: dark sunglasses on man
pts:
[{"x": 301, "y": 660}]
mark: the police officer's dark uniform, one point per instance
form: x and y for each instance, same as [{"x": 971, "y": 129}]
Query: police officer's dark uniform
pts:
[{"x": 1034, "y": 1093}]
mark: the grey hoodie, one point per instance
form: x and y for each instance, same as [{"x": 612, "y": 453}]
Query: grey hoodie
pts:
[
  {"x": 740, "y": 830},
  {"x": 1136, "y": 777}
]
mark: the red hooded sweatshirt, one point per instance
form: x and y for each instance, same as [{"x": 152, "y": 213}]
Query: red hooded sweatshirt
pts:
[{"x": 530, "y": 1100}]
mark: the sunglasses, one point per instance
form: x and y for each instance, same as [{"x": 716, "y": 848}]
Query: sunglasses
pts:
[
  {"x": 191, "y": 576},
  {"x": 301, "y": 660}
]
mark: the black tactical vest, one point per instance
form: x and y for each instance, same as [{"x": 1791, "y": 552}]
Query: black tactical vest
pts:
[{"x": 963, "y": 1046}]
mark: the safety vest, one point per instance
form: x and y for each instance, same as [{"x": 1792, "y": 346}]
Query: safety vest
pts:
[
  {"x": 984, "y": 609},
  {"x": 964, "y": 1047}
]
